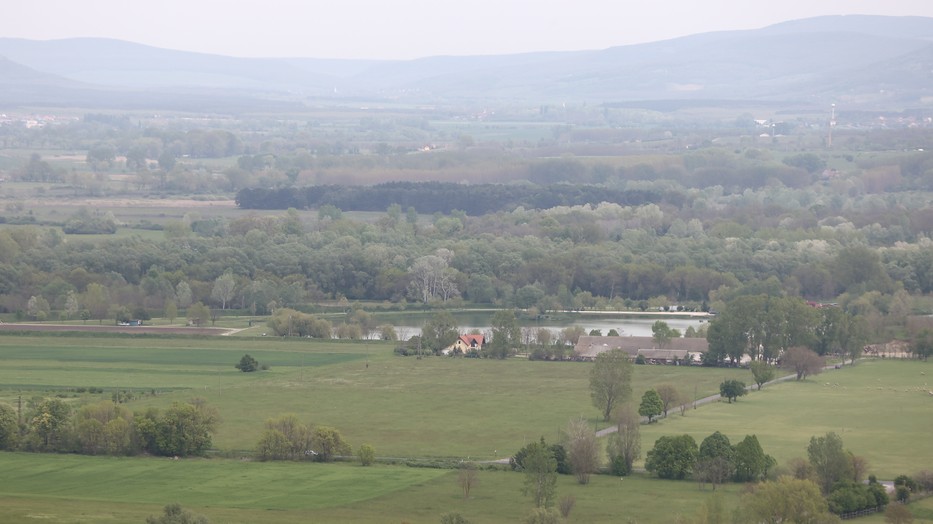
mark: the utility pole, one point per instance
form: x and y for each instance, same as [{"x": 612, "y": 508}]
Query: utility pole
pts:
[{"x": 832, "y": 124}]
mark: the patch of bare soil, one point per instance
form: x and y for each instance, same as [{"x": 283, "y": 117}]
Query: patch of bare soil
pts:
[
  {"x": 97, "y": 328},
  {"x": 129, "y": 202}
]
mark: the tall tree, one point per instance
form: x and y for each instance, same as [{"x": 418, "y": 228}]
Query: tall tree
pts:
[
  {"x": 505, "y": 333},
  {"x": 49, "y": 424},
  {"x": 716, "y": 459},
  {"x": 673, "y": 457},
  {"x": 662, "y": 334},
  {"x": 96, "y": 300},
  {"x": 732, "y": 389},
  {"x": 802, "y": 361},
  {"x": 540, "y": 469},
  {"x": 439, "y": 332},
  {"x": 198, "y": 314},
  {"x": 582, "y": 449},
  {"x": 922, "y": 344},
  {"x": 651, "y": 405},
  {"x": 762, "y": 371},
  {"x": 670, "y": 396},
  {"x": 223, "y": 290},
  {"x": 183, "y": 294},
  {"x": 611, "y": 380},
  {"x": 9, "y": 427},
  {"x": 751, "y": 462},
  {"x": 624, "y": 446},
  {"x": 829, "y": 460}
]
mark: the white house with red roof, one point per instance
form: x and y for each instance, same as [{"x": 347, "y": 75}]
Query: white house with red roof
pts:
[{"x": 469, "y": 342}]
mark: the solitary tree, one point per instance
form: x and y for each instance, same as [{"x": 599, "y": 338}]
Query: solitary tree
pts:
[
  {"x": 732, "y": 389},
  {"x": 467, "y": 478},
  {"x": 247, "y": 364},
  {"x": 651, "y": 405},
  {"x": 611, "y": 380}
]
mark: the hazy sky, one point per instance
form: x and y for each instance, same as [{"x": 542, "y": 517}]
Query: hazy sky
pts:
[{"x": 403, "y": 29}]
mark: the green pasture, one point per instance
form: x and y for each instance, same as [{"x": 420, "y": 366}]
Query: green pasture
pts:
[
  {"x": 406, "y": 407},
  {"x": 403, "y": 406},
  {"x": 882, "y": 409},
  {"x": 64, "y": 488}
]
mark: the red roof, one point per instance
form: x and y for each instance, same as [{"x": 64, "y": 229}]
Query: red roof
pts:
[{"x": 472, "y": 340}]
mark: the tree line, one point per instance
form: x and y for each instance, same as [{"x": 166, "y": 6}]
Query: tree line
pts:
[
  {"x": 51, "y": 425},
  {"x": 440, "y": 197}
]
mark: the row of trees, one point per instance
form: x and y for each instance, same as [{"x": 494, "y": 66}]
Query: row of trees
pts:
[
  {"x": 765, "y": 327},
  {"x": 715, "y": 461},
  {"x": 108, "y": 428},
  {"x": 830, "y": 479},
  {"x": 439, "y": 197}
]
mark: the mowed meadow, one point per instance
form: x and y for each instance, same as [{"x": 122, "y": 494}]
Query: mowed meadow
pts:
[
  {"x": 403, "y": 406},
  {"x": 411, "y": 408}
]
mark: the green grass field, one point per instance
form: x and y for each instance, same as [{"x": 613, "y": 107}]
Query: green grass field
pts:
[
  {"x": 406, "y": 407},
  {"x": 403, "y": 406},
  {"x": 58, "y": 489},
  {"x": 881, "y": 409}
]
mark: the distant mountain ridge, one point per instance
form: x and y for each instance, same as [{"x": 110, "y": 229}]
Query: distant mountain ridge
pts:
[{"x": 869, "y": 61}]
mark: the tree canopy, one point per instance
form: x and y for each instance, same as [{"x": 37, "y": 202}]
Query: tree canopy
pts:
[{"x": 611, "y": 380}]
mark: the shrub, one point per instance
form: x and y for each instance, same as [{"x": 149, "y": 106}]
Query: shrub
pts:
[
  {"x": 566, "y": 504},
  {"x": 247, "y": 364},
  {"x": 453, "y": 518},
  {"x": 367, "y": 455}
]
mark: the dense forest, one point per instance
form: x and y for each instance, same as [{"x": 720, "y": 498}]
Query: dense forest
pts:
[{"x": 610, "y": 222}]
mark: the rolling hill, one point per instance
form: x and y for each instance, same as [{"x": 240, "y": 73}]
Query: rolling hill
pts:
[{"x": 867, "y": 61}]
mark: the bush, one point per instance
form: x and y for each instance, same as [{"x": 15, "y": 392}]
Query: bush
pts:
[
  {"x": 247, "y": 364},
  {"x": 174, "y": 514},
  {"x": 367, "y": 455},
  {"x": 924, "y": 480},
  {"x": 619, "y": 466},
  {"x": 453, "y": 518},
  {"x": 566, "y": 504},
  {"x": 517, "y": 461},
  {"x": 848, "y": 497}
]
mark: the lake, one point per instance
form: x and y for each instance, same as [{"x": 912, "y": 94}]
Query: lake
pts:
[{"x": 625, "y": 323}]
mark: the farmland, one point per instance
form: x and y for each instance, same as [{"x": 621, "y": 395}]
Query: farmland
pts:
[{"x": 481, "y": 409}]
